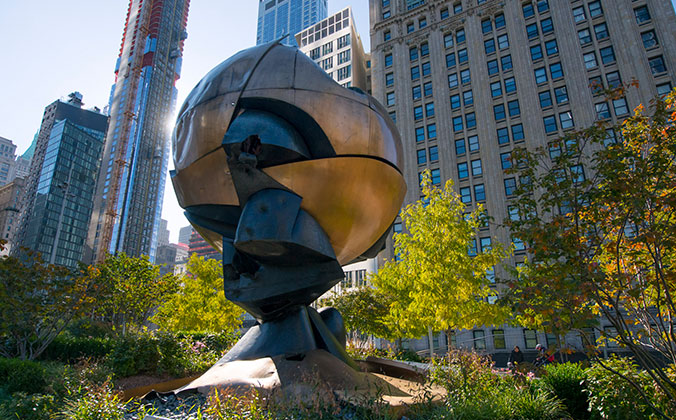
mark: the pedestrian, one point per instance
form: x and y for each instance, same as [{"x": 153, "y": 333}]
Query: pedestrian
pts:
[
  {"x": 515, "y": 358},
  {"x": 543, "y": 358}
]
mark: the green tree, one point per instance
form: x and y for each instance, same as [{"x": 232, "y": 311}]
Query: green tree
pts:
[
  {"x": 599, "y": 217},
  {"x": 200, "y": 304},
  {"x": 37, "y": 301},
  {"x": 439, "y": 279},
  {"x": 364, "y": 310},
  {"x": 131, "y": 290}
]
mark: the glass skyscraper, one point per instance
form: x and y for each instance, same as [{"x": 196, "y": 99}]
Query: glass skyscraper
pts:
[
  {"x": 277, "y": 18},
  {"x": 60, "y": 187},
  {"x": 130, "y": 188}
]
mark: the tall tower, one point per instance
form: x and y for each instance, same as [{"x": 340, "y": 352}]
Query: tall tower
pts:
[
  {"x": 468, "y": 81},
  {"x": 130, "y": 188},
  {"x": 277, "y": 18},
  {"x": 57, "y": 202}
]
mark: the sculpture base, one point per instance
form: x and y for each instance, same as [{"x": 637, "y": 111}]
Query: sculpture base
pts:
[{"x": 318, "y": 374}]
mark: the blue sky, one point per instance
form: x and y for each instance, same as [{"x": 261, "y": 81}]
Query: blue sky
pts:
[{"x": 51, "y": 48}]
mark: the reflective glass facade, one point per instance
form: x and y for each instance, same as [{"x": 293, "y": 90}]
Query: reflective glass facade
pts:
[{"x": 277, "y": 18}]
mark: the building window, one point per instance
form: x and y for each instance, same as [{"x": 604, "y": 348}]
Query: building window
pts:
[
  {"x": 496, "y": 89},
  {"x": 426, "y": 69},
  {"x": 642, "y": 14},
  {"x": 448, "y": 40},
  {"x": 540, "y": 75},
  {"x": 584, "y": 36},
  {"x": 595, "y": 9},
  {"x": 514, "y": 109},
  {"x": 506, "y": 62},
  {"x": 389, "y": 79},
  {"x": 427, "y": 88},
  {"x": 443, "y": 14},
  {"x": 543, "y": 6},
  {"x": 477, "y": 170},
  {"x": 607, "y": 55},
  {"x": 506, "y": 160},
  {"x": 460, "y": 36},
  {"x": 536, "y": 52},
  {"x": 657, "y": 65},
  {"x": 545, "y": 99},
  {"x": 493, "y": 67},
  {"x": 416, "y": 92},
  {"x": 424, "y": 49},
  {"x": 649, "y": 39},
  {"x": 503, "y": 41},
  {"x": 532, "y": 31},
  {"x": 415, "y": 73},
  {"x": 387, "y": 35},
  {"x": 547, "y": 26},
  {"x": 561, "y": 94},
  {"x": 510, "y": 85},
  {"x": 566, "y": 120},
  {"x": 418, "y": 113},
  {"x": 463, "y": 170},
  {"x": 486, "y": 26},
  {"x": 410, "y": 27},
  {"x": 479, "y": 340},
  {"x": 480, "y": 195},
  {"x": 499, "y": 21},
  {"x": 550, "y": 124},
  {"x": 462, "y": 56},
  {"x": 489, "y": 46},
  {"x": 432, "y": 131},
  {"x": 473, "y": 143},
  {"x": 413, "y": 53},
  {"x": 422, "y": 156},
  {"x": 589, "y": 60},
  {"x": 422, "y": 22},
  {"x": 434, "y": 154},
  {"x": 499, "y": 112},
  {"x": 465, "y": 76},
  {"x": 663, "y": 89},
  {"x": 556, "y": 70},
  {"x": 457, "y": 8},
  {"x": 551, "y": 47},
  {"x": 528, "y": 10},
  {"x": 390, "y": 98},
  {"x": 455, "y": 101},
  {"x": 517, "y": 132},
  {"x": 470, "y": 120},
  {"x": 457, "y": 124},
  {"x": 620, "y": 106},
  {"x": 466, "y": 198},
  {"x": 450, "y": 60},
  {"x": 530, "y": 338},
  {"x": 503, "y": 136},
  {"x": 436, "y": 176},
  {"x": 460, "y": 147},
  {"x": 510, "y": 186},
  {"x": 388, "y": 60},
  {"x": 468, "y": 98},
  {"x": 387, "y": 14},
  {"x": 499, "y": 339},
  {"x": 419, "y": 134},
  {"x": 452, "y": 80},
  {"x": 429, "y": 109},
  {"x": 577, "y": 173},
  {"x": 579, "y": 15},
  {"x": 601, "y": 31},
  {"x": 602, "y": 111}
]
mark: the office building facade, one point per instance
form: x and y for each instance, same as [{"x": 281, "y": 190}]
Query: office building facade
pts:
[
  {"x": 60, "y": 187},
  {"x": 130, "y": 188},
  {"x": 7, "y": 160},
  {"x": 334, "y": 44},
  {"x": 278, "y": 18},
  {"x": 10, "y": 212},
  {"x": 184, "y": 235},
  {"x": 468, "y": 81}
]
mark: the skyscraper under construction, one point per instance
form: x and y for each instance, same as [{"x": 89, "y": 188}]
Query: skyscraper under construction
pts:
[{"x": 130, "y": 187}]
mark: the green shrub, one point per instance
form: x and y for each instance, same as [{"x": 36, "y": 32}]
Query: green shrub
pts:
[
  {"x": 22, "y": 376},
  {"x": 566, "y": 382},
  {"x": 465, "y": 374},
  {"x": 612, "y": 397},
  {"x": 67, "y": 348},
  {"x": 134, "y": 354},
  {"x": 28, "y": 407},
  {"x": 98, "y": 403}
]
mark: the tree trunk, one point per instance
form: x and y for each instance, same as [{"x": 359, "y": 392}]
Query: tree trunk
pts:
[{"x": 430, "y": 337}]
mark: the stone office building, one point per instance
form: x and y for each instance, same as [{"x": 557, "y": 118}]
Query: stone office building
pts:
[{"x": 469, "y": 80}]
